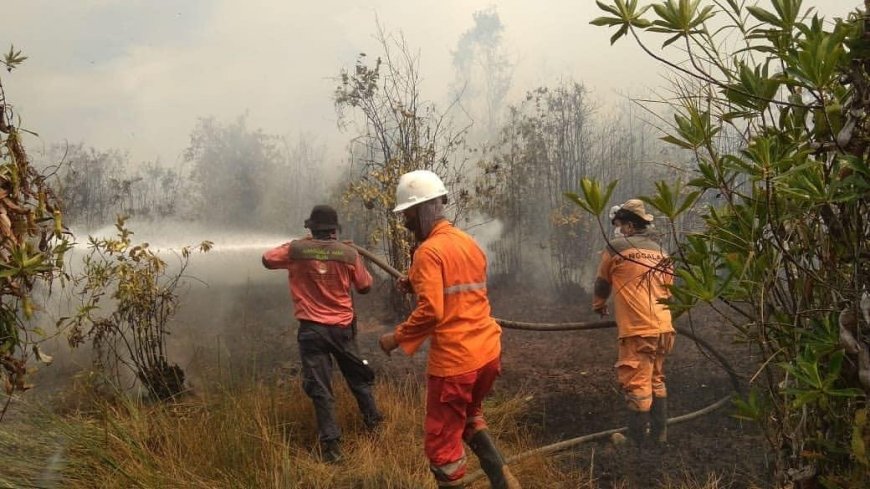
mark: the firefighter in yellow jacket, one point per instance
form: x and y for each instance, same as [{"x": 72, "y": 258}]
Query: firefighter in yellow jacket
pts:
[
  {"x": 448, "y": 275},
  {"x": 637, "y": 272}
]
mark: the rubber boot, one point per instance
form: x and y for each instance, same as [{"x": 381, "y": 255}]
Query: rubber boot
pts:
[
  {"x": 637, "y": 421},
  {"x": 330, "y": 452},
  {"x": 659, "y": 420},
  {"x": 443, "y": 479},
  {"x": 492, "y": 462}
]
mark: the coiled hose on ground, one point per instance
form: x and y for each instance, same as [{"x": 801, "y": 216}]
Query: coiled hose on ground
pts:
[{"x": 582, "y": 326}]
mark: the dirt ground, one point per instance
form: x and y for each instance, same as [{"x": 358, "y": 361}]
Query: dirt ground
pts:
[
  {"x": 579, "y": 395},
  {"x": 567, "y": 377},
  {"x": 570, "y": 383}
]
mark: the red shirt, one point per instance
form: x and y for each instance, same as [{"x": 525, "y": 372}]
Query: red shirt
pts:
[{"x": 321, "y": 273}]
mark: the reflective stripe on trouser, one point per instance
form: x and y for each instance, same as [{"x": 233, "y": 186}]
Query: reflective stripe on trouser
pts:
[
  {"x": 454, "y": 412},
  {"x": 640, "y": 368},
  {"x": 317, "y": 353}
]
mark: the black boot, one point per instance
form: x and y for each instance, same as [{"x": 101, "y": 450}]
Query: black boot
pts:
[
  {"x": 330, "y": 452},
  {"x": 374, "y": 423},
  {"x": 443, "y": 483},
  {"x": 637, "y": 421},
  {"x": 492, "y": 462},
  {"x": 659, "y": 420}
]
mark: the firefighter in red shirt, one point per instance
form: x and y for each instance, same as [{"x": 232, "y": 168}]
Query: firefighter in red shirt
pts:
[
  {"x": 448, "y": 275},
  {"x": 637, "y": 271},
  {"x": 321, "y": 272}
]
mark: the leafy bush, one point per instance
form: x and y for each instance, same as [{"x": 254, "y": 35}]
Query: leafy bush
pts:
[
  {"x": 33, "y": 243},
  {"x": 130, "y": 331},
  {"x": 784, "y": 248}
]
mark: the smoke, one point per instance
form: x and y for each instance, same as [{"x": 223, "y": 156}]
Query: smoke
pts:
[
  {"x": 234, "y": 258},
  {"x": 485, "y": 35},
  {"x": 234, "y": 315},
  {"x": 483, "y": 72}
]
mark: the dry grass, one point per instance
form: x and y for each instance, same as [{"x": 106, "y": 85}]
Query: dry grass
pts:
[
  {"x": 255, "y": 436},
  {"x": 259, "y": 436},
  {"x": 25, "y": 447}
]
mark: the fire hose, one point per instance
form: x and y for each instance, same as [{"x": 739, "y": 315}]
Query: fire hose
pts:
[{"x": 582, "y": 326}]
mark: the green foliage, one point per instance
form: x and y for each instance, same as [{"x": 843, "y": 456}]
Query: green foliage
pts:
[
  {"x": 752, "y": 408},
  {"x": 593, "y": 201},
  {"x": 13, "y": 58},
  {"x": 670, "y": 200},
  {"x": 128, "y": 298},
  {"x": 694, "y": 128},
  {"x": 626, "y": 15},
  {"x": 754, "y": 91},
  {"x": 785, "y": 236},
  {"x": 33, "y": 242},
  {"x": 680, "y": 18}
]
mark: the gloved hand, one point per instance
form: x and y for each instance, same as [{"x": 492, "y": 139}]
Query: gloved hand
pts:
[
  {"x": 388, "y": 342},
  {"x": 403, "y": 285}
]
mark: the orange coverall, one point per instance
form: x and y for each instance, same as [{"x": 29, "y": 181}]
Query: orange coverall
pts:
[
  {"x": 448, "y": 274},
  {"x": 636, "y": 269}
]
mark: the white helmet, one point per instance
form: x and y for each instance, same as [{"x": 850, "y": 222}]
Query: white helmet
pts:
[{"x": 416, "y": 187}]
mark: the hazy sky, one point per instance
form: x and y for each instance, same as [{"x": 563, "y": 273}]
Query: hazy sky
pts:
[{"x": 136, "y": 74}]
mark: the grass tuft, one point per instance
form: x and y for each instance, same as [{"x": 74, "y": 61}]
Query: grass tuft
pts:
[{"x": 259, "y": 435}]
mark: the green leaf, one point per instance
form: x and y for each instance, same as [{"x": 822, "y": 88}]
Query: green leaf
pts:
[
  {"x": 848, "y": 392},
  {"x": 621, "y": 32},
  {"x": 671, "y": 40},
  {"x": 752, "y": 408},
  {"x": 626, "y": 14},
  {"x": 593, "y": 200},
  {"x": 707, "y": 179},
  {"x": 608, "y": 21},
  {"x": 764, "y": 16},
  {"x": 667, "y": 199},
  {"x": 13, "y": 58},
  {"x": 607, "y": 8},
  {"x": 677, "y": 142}
]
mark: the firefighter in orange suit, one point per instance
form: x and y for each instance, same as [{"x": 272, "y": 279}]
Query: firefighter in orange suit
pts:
[
  {"x": 448, "y": 275},
  {"x": 636, "y": 270}
]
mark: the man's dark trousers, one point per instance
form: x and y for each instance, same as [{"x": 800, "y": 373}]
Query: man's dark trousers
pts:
[{"x": 318, "y": 345}]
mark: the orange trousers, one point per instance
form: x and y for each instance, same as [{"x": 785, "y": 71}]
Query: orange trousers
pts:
[
  {"x": 454, "y": 412},
  {"x": 640, "y": 368}
]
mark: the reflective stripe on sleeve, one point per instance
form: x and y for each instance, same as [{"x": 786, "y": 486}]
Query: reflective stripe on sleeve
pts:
[{"x": 455, "y": 289}]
